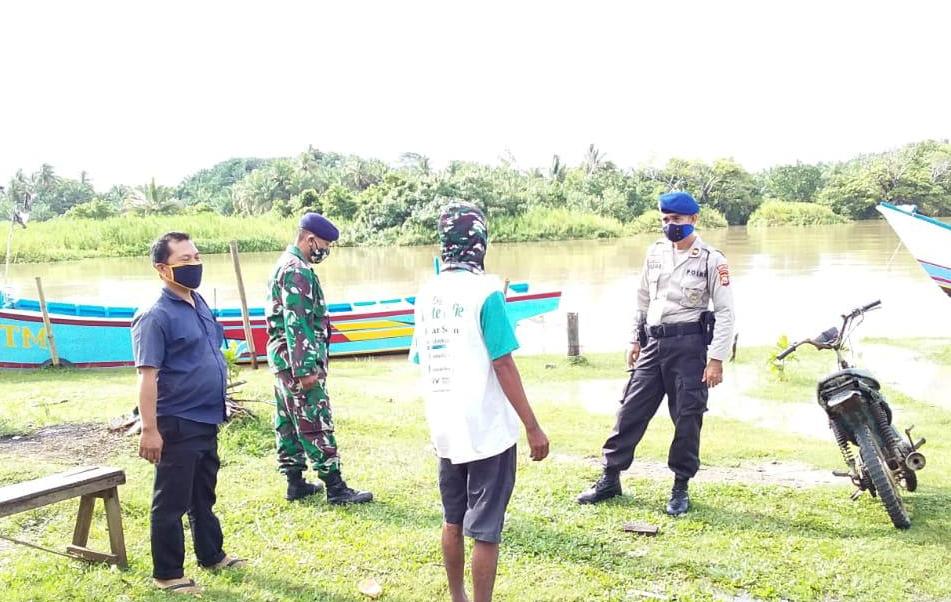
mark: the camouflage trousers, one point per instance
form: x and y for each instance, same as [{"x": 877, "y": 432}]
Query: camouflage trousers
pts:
[{"x": 305, "y": 426}]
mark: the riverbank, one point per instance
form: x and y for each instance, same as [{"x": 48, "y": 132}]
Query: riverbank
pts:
[
  {"x": 755, "y": 533},
  {"x": 66, "y": 238}
]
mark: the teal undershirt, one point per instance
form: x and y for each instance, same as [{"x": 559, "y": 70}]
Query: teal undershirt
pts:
[{"x": 497, "y": 331}]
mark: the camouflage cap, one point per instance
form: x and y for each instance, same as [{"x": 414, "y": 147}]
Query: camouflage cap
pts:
[{"x": 463, "y": 234}]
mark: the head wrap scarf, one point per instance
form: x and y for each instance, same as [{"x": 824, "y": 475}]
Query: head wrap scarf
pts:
[{"x": 463, "y": 236}]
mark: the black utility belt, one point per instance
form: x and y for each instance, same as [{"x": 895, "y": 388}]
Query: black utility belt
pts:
[{"x": 675, "y": 329}]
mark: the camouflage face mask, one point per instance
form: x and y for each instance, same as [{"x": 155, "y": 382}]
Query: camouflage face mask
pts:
[{"x": 463, "y": 235}]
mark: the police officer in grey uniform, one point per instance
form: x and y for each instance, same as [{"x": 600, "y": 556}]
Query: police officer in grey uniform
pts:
[{"x": 674, "y": 334}]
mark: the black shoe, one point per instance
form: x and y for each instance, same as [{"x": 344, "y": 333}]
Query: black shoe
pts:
[
  {"x": 679, "y": 501},
  {"x": 298, "y": 488},
  {"x": 608, "y": 486},
  {"x": 339, "y": 493}
]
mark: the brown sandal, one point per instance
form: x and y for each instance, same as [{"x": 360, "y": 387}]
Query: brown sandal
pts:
[
  {"x": 183, "y": 587},
  {"x": 228, "y": 562}
]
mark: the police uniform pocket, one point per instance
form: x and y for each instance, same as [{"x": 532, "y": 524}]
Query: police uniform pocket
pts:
[
  {"x": 691, "y": 396},
  {"x": 693, "y": 297}
]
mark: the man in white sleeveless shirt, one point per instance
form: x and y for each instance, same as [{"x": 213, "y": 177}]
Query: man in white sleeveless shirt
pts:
[{"x": 463, "y": 343}]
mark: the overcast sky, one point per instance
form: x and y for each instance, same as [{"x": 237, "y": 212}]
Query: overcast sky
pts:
[{"x": 130, "y": 90}]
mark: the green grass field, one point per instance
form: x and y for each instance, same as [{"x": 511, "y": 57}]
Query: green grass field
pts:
[{"x": 741, "y": 541}]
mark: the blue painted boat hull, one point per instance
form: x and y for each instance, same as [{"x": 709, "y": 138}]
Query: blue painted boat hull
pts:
[{"x": 99, "y": 336}]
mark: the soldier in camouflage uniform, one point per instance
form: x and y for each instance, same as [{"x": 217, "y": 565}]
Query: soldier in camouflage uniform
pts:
[{"x": 298, "y": 345}]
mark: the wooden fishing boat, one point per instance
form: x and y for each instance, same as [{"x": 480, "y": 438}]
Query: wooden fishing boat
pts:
[
  {"x": 95, "y": 336},
  {"x": 927, "y": 239}
]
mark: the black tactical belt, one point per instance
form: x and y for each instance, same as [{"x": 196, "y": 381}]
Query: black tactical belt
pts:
[{"x": 674, "y": 329}]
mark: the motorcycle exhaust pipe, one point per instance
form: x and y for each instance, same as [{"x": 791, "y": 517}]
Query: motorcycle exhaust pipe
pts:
[{"x": 915, "y": 460}]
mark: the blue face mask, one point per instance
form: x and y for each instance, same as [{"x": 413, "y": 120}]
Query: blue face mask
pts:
[{"x": 677, "y": 232}]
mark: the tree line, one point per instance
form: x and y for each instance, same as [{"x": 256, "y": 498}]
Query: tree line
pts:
[{"x": 384, "y": 202}]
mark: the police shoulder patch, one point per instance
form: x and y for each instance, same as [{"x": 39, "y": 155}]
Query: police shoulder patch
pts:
[{"x": 724, "y": 272}]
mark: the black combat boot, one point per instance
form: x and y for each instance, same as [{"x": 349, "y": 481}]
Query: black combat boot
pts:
[
  {"x": 679, "y": 501},
  {"x": 339, "y": 493},
  {"x": 298, "y": 488},
  {"x": 608, "y": 486}
]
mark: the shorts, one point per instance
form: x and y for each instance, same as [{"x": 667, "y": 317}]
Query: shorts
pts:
[{"x": 476, "y": 494}]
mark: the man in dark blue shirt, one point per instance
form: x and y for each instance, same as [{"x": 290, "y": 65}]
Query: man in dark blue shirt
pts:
[{"x": 182, "y": 380}]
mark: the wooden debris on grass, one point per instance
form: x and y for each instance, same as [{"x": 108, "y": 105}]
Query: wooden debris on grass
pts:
[
  {"x": 131, "y": 424},
  {"x": 640, "y": 528}
]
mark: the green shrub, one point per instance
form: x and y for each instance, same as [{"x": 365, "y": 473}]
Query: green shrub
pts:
[
  {"x": 553, "y": 224},
  {"x": 783, "y": 213}
]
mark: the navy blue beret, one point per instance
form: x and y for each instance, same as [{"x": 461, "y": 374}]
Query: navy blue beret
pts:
[
  {"x": 320, "y": 225},
  {"x": 678, "y": 202}
]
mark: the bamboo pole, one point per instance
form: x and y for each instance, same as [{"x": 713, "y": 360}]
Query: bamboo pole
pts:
[
  {"x": 46, "y": 321},
  {"x": 248, "y": 336}
]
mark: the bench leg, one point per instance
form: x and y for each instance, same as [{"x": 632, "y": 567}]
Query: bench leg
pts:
[
  {"x": 114, "y": 521},
  {"x": 83, "y": 520}
]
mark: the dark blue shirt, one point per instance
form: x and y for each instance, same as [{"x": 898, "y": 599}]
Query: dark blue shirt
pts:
[{"x": 184, "y": 344}]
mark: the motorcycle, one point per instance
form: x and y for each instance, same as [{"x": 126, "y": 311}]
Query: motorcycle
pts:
[{"x": 860, "y": 416}]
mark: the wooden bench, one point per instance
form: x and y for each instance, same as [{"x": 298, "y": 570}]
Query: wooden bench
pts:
[{"x": 87, "y": 484}]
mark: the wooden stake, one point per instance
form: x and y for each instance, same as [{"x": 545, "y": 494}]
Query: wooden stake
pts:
[
  {"x": 248, "y": 336},
  {"x": 46, "y": 321},
  {"x": 574, "y": 348}
]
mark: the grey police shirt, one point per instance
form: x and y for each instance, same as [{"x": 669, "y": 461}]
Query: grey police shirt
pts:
[{"x": 677, "y": 287}]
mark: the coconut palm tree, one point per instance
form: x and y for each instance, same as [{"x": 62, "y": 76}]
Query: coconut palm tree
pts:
[
  {"x": 151, "y": 198},
  {"x": 416, "y": 162},
  {"x": 593, "y": 159}
]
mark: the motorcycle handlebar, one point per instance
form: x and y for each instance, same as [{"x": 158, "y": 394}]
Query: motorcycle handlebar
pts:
[
  {"x": 785, "y": 352},
  {"x": 861, "y": 310},
  {"x": 831, "y": 338}
]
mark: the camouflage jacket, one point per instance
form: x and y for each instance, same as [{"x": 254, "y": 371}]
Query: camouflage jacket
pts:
[{"x": 298, "y": 325}]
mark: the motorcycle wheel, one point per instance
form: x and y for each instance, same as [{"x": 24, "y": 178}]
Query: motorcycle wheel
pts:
[{"x": 882, "y": 479}]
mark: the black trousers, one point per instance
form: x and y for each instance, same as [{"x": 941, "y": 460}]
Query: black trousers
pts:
[
  {"x": 185, "y": 480},
  {"x": 671, "y": 366}
]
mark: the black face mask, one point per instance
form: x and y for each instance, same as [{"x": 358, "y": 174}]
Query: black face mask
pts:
[
  {"x": 318, "y": 254},
  {"x": 188, "y": 275}
]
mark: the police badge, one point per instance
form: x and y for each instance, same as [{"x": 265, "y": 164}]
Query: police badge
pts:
[{"x": 693, "y": 296}]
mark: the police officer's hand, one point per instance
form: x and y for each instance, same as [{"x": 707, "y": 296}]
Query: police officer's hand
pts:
[
  {"x": 633, "y": 352},
  {"x": 307, "y": 382},
  {"x": 538, "y": 442},
  {"x": 713, "y": 375},
  {"x": 150, "y": 446}
]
